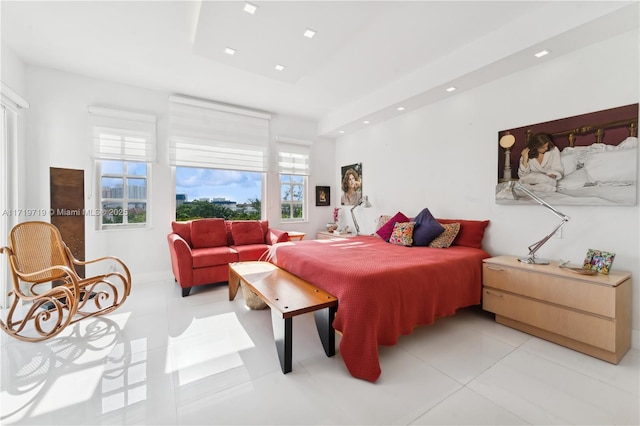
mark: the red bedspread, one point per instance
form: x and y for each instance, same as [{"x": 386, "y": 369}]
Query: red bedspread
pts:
[{"x": 384, "y": 290}]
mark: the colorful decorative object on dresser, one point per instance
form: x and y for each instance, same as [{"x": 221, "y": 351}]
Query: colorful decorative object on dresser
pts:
[{"x": 599, "y": 261}]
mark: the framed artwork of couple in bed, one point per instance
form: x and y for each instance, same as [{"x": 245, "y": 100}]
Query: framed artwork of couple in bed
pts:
[{"x": 589, "y": 159}]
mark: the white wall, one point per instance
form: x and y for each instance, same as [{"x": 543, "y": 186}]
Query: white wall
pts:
[
  {"x": 58, "y": 136},
  {"x": 12, "y": 70},
  {"x": 444, "y": 156}
]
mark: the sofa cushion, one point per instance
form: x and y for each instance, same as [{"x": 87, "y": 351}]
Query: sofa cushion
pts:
[
  {"x": 229, "y": 223},
  {"x": 183, "y": 229},
  {"x": 251, "y": 252},
  {"x": 247, "y": 232},
  {"x": 208, "y": 233},
  {"x": 213, "y": 256}
]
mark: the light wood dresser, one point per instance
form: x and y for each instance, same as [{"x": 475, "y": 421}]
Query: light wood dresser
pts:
[{"x": 588, "y": 313}]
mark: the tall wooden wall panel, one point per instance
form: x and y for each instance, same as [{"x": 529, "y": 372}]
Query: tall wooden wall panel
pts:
[{"x": 67, "y": 209}]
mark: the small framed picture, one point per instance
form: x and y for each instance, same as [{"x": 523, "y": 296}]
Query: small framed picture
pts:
[
  {"x": 598, "y": 260},
  {"x": 323, "y": 195}
]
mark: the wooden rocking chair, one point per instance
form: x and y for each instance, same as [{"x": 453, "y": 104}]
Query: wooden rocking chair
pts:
[{"x": 48, "y": 294}]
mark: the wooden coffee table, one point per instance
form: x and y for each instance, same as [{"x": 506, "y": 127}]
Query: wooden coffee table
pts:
[{"x": 288, "y": 296}]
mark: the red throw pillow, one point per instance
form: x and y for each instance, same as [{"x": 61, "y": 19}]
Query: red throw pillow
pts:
[
  {"x": 208, "y": 233},
  {"x": 386, "y": 230},
  {"x": 183, "y": 229},
  {"x": 471, "y": 232},
  {"x": 247, "y": 232}
]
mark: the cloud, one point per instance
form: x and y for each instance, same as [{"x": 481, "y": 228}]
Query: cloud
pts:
[{"x": 209, "y": 183}]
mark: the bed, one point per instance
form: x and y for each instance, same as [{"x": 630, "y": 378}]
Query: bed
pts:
[
  {"x": 602, "y": 170},
  {"x": 385, "y": 290}
]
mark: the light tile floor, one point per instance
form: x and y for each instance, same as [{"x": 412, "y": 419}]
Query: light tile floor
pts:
[{"x": 164, "y": 359}]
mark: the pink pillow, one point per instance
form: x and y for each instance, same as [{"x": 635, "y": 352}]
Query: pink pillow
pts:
[
  {"x": 386, "y": 230},
  {"x": 471, "y": 232},
  {"x": 247, "y": 232},
  {"x": 208, "y": 233},
  {"x": 183, "y": 229}
]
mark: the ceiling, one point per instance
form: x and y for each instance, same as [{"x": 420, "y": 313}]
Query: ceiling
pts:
[{"x": 366, "y": 59}]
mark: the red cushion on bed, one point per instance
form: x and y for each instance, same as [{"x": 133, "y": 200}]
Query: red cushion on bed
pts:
[
  {"x": 387, "y": 229},
  {"x": 471, "y": 232}
]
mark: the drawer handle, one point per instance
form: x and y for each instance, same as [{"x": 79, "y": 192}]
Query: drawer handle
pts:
[
  {"x": 495, "y": 268},
  {"x": 493, "y": 294}
]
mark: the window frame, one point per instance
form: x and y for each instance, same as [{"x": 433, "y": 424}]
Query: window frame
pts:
[
  {"x": 125, "y": 200},
  {"x": 292, "y": 202}
]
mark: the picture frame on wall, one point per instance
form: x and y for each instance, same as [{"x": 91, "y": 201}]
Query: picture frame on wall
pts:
[
  {"x": 351, "y": 184},
  {"x": 588, "y": 159},
  {"x": 323, "y": 195}
]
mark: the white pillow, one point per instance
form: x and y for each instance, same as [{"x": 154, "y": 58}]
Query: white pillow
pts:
[
  {"x": 630, "y": 142},
  {"x": 574, "y": 180},
  {"x": 569, "y": 161},
  {"x": 612, "y": 166}
]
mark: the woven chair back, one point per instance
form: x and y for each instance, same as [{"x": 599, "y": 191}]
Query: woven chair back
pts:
[{"x": 37, "y": 246}]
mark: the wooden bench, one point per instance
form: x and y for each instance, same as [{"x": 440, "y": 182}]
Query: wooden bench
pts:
[{"x": 287, "y": 296}]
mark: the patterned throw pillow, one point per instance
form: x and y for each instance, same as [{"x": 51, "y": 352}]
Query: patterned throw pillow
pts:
[
  {"x": 449, "y": 234},
  {"x": 402, "y": 234}
]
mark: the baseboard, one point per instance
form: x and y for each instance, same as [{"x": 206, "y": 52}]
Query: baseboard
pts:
[{"x": 148, "y": 277}]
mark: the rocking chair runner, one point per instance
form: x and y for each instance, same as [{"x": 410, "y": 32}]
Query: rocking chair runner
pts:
[{"x": 48, "y": 294}]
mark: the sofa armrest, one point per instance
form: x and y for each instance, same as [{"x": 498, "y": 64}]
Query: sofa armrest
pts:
[
  {"x": 181, "y": 259},
  {"x": 276, "y": 236}
]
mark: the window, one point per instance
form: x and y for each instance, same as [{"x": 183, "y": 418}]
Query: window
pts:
[
  {"x": 123, "y": 187},
  {"x": 124, "y": 149},
  {"x": 293, "y": 167},
  {"x": 220, "y": 155},
  {"x": 292, "y": 200},
  {"x": 230, "y": 194}
]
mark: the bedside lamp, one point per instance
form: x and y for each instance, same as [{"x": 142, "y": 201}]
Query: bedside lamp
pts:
[
  {"x": 364, "y": 201},
  {"x": 533, "y": 248},
  {"x": 507, "y": 141}
]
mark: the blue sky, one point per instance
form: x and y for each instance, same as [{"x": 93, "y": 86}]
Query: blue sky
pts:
[{"x": 209, "y": 183}]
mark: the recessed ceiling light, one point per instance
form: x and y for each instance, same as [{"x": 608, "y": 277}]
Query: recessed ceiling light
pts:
[
  {"x": 229, "y": 51},
  {"x": 542, "y": 53},
  {"x": 366, "y": 122},
  {"x": 401, "y": 108},
  {"x": 279, "y": 67},
  {"x": 309, "y": 33},
  {"x": 341, "y": 131},
  {"x": 451, "y": 89},
  {"x": 250, "y": 8}
]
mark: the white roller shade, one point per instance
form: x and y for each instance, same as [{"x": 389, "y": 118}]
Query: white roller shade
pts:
[
  {"x": 293, "y": 156},
  {"x": 209, "y": 135},
  {"x": 122, "y": 135}
]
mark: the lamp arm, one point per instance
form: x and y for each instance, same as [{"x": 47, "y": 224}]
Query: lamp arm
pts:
[
  {"x": 533, "y": 248},
  {"x": 353, "y": 216},
  {"x": 541, "y": 201}
]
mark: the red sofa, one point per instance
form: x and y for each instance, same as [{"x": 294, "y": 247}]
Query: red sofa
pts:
[{"x": 202, "y": 249}]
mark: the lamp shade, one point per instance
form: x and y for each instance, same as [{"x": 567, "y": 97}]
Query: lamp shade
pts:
[{"x": 507, "y": 140}]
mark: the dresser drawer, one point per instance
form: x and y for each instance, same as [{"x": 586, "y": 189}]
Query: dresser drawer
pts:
[
  {"x": 557, "y": 289},
  {"x": 595, "y": 331}
]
